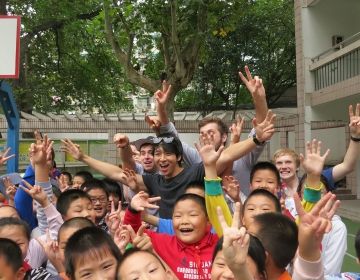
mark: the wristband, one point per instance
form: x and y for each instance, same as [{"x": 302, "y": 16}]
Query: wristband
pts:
[
  {"x": 355, "y": 139},
  {"x": 312, "y": 194},
  {"x": 129, "y": 246},
  {"x": 257, "y": 142},
  {"x": 213, "y": 187},
  {"x": 132, "y": 210}
]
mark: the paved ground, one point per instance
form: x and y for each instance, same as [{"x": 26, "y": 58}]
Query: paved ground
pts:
[{"x": 350, "y": 213}]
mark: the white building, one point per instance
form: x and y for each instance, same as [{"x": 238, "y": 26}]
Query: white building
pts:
[{"x": 328, "y": 68}]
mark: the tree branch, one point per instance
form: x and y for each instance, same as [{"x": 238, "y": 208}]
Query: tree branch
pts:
[
  {"x": 133, "y": 76},
  {"x": 179, "y": 67},
  {"x": 59, "y": 23}
]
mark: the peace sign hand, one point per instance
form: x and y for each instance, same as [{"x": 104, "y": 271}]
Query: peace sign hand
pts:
[
  {"x": 236, "y": 240},
  {"x": 37, "y": 193}
]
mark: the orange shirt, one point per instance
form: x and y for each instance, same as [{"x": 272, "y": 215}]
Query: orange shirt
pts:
[{"x": 285, "y": 276}]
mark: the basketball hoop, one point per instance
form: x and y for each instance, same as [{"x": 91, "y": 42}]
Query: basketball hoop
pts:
[{"x": 9, "y": 47}]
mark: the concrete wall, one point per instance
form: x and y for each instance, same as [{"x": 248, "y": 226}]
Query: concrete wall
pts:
[{"x": 328, "y": 18}]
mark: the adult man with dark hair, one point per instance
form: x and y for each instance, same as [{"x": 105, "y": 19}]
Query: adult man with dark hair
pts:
[{"x": 217, "y": 130}]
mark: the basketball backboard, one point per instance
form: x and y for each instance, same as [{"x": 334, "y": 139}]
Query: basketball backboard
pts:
[{"x": 9, "y": 46}]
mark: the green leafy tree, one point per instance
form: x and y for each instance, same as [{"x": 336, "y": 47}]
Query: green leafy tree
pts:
[{"x": 262, "y": 37}]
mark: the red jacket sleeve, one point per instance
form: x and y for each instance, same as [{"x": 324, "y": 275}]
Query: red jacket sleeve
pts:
[{"x": 133, "y": 219}]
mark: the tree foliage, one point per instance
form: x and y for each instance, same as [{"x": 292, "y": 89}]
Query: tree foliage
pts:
[
  {"x": 261, "y": 36},
  {"x": 90, "y": 54}
]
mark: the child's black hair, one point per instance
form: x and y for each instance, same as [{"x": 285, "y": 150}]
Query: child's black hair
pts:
[
  {"x": 11, "y": 222},
  {"x": 85, "y": 241},
  {"x": 266, "y": 193},
  {"x": 68, "y": 174},
  {"x": 114, "y": 188},
  {"x": 11, "y": 253},
  {"x": 77, "y": 222},
  {"x": 195, "y": 185},
  {"x": 357, "y": 245},
  {"x": 279, "y": 236},
  {"x": 56, "y": 191},
  {"x": 86, "y": 175},
  {"x": 256, "y": 252},
  {"x": 132, "y": 251},
  {"x": 66, "y": 198},
  {"x": 194, "y": 197},
  {"x": 94, "y": 184},
  {"x": 9, "y": 206},
  {"x": 265, "y": 165}
]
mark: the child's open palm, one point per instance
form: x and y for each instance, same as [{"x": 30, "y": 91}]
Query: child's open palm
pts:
[
  {"x": 142, "y": 200},
  {"x": 313, "y": 162},
  {"x": 72, "y": 148},
  {"x": 207, "y": 151}
]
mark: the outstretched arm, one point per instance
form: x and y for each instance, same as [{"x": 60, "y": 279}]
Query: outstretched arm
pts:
[
  {"x": 312, "y": 227},
  {"x": 352, "y": 154},
  {"x": 107, "y": 169},
  {"x": 257, "y": 90},
  {"x": 162, "y": 97},
  {"x": 313, "y": 165},
  {"x": 264, "y": 132},
  {"x": 122, "y": 143},
  {"x": 214, "y": 196}
]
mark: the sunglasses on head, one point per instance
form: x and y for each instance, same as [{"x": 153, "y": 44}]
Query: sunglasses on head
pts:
[{"x": 157, "y": 140}]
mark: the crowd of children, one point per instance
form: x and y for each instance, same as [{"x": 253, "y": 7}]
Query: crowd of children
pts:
[{"x": 177, "y": 211}]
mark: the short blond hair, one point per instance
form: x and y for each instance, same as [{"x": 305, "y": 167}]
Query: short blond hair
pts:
[{"x": 286, "y": 151}]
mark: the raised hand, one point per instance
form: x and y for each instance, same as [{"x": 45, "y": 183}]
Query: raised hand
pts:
[
  {"x": 40, "y": 152},
  {"x": 4, "y": 157},
  {"x": 354, "y": 121},
  {"x": 313, "y": 162},
  {"x": 142, "y": 200},
  {"x": 207, "y": 151},
  {"x": 113, "y": 219},
  {"x": 72, "y": 148},
  {"x": 52, "y": 251},
  {"x": 121, "y": 140},
  {"x": 154, "y": 123},
  {"x": 63, "y": 186},
  {"x": 129, "y": 177},
  {"x": 315, "y": 224},
  {"x": 37, "y": 193},
  {"x": 231, "y": 187},
  {"x": 162, "y": 96},
  {"x": 10, "y": 190},
  {"x": 235, "y": 129},
  {"x": 236, "y": 242},
  {"x": 141, "y": 240},
  {"x": 122, "y": 237},
  {"x": 254, "y": 85},
  {"x": 265, "y": 129}
]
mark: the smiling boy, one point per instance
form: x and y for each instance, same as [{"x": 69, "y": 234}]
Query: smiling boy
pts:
[{"x": 189, "y": 252}]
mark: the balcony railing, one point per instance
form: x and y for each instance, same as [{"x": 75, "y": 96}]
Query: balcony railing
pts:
[
  {"x": 337, "y": 70},
  {"x": 339, "y": 63}
]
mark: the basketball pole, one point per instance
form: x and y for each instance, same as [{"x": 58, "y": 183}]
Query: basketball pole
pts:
[{"x": 11, "y": 113}]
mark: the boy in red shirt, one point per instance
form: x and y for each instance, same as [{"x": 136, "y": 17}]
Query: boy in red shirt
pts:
[{"x": 189, "y": 252}]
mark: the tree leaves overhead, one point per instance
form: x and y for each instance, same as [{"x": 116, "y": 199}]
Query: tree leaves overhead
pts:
[
  {"x": 262, "y": 36},
  {"x": 91, "y": 54}
]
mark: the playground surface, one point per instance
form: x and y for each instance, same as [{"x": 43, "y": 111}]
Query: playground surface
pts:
[
  {"x": 350, "y": 214},
  {"x": 350, "y": 263}
]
